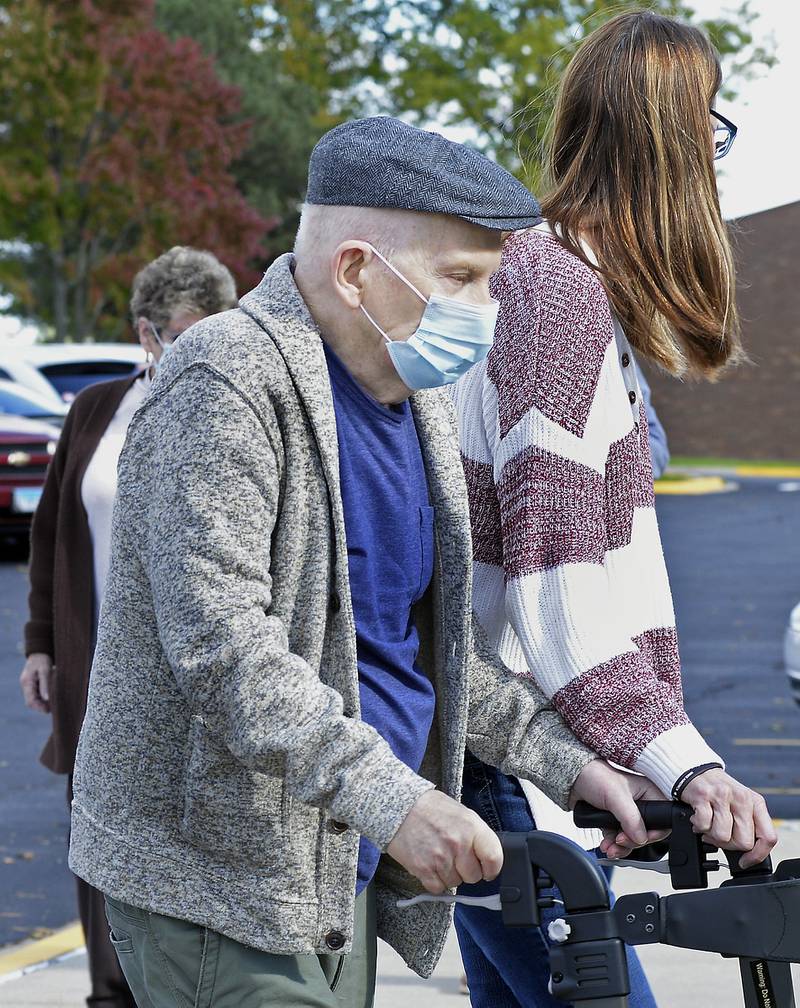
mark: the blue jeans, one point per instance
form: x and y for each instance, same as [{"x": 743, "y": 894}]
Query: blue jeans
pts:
[{"x": 510, "y": 968}]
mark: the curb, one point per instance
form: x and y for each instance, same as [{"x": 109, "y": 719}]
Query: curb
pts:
[
  {"x": 30, "y": 956},
  {"x": 695, "y": 485},
  {"x": 788, "y": 471}
]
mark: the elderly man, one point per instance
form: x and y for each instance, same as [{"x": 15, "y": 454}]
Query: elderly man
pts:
[{"x": 286, "y": 677}]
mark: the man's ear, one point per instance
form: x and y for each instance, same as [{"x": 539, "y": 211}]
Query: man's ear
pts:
[{"x": 348, "y": 267}]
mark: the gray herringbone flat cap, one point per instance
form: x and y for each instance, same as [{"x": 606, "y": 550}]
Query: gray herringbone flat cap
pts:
[{"x": 383, "y": 162}]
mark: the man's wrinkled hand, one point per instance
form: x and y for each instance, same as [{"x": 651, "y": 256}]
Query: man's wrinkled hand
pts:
[{"x": 443, "y": 844}]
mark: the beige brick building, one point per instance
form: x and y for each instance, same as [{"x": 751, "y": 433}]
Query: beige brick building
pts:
[{"x": 754, "y": 411}]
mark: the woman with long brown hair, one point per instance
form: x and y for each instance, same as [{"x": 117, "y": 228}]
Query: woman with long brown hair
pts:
[{"x": 570, "y": 580}]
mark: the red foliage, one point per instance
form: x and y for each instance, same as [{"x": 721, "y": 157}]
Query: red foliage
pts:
[
  {"x": 120, "y": 146},
  {"x": 172, "y": 134}
]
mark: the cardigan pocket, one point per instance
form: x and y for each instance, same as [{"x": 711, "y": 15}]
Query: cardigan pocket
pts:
[{"x": 230, "y": 809}]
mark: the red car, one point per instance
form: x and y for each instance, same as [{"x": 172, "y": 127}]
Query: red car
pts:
[{"x": 26, "y": 447}]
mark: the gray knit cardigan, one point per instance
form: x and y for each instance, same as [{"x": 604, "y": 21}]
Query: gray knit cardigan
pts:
[{"x": 223, "y": 773}]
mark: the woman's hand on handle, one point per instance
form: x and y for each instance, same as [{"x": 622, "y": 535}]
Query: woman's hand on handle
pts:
[
  {"x": 617, "y": 792},
  {"x": 730, "y": 815}
]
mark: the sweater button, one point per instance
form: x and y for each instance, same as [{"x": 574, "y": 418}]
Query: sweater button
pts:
[
  {"x": 632, "y": 397},
  {"x": 335, "y": 602},
  {"x": 338, "y": 827},
  {"x": 334, "y": 940},
  {"x": 625, "y": 360}
]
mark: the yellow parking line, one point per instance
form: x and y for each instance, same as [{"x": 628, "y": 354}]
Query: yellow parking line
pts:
[
  {"x": 779, "y": 472},
  {"x": 20, "y": 957},
  {"x": 767, "y": 741},
  {"x": 695, "y": 485}
]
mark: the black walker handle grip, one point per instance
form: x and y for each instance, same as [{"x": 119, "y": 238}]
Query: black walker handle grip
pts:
[{"x": 657, "y": 815}]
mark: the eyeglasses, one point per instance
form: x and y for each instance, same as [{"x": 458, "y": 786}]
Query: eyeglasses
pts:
[{"x": 724, "y": 135}]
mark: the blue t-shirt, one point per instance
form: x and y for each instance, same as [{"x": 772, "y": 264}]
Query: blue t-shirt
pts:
[{"x": 389, "y": 526}]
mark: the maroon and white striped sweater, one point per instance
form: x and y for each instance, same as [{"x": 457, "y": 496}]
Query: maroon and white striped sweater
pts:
[{"x": 570, "y": 581}]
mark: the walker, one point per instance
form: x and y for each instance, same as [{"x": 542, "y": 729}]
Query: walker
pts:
[{"x": 753, "y": 916}]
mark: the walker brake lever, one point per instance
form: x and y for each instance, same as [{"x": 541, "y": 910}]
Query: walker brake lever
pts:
[
  {"x": 662, "y": 867},
  {"x": 487, "y": 902}
]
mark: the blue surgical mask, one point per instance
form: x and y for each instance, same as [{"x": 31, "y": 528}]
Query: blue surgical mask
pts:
[{"x": 451, "y": 337}]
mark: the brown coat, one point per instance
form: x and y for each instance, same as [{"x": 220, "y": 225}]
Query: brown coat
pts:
[{"x": 61, "y": 600}]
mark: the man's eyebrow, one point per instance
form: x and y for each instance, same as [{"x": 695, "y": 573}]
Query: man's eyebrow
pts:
[
  {"x": 465, "y": 264},
  {"x": 456, "y": 266}
]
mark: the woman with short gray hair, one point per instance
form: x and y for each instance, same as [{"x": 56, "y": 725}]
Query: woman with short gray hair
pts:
[
  {"x": 176, "y": 290},
  {"x": 70, "y": 543}
]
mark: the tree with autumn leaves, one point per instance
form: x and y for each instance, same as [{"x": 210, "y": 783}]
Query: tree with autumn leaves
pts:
[
  {"x": 128, "y": 126},
  {"x": 115, "y": 143}
]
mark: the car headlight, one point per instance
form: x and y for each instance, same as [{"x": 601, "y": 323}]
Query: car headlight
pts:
[{"x": 51, "y": 448}]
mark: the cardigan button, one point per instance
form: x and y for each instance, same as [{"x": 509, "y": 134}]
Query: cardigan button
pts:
[
  {"x": 632, "y": 397},
  {"x": 335, "y": 940},
  {"x": 625, "y": 360},
  {"x": 338, "y": 827},
  {"x": 335, "y": 602}
]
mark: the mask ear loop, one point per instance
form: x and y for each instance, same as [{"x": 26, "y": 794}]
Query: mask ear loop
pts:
[
  {"x": 151, "y": 361},
  {"x": 398, "y": 274},
  {"x": 155, "y": 334},
  {"x": 372, "y": 320}
]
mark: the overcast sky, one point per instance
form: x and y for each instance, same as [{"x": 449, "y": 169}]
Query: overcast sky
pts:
[{"x": 762, "y": 169}]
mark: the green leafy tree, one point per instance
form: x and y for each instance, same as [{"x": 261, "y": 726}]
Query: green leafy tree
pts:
[
  {"x": 341, "y": 50},
  {"x": 487, "y": 66},
  {"x": 285, "y": 114},
  {"x": 494, "y": 66}
]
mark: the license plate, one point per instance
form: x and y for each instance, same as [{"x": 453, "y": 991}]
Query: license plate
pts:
[{"x": 25, "y": 499}]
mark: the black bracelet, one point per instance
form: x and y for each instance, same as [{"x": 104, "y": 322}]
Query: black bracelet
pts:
[{"x": 689, "y": 775}]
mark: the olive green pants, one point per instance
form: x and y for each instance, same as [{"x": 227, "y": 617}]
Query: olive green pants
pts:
[{"x": 170, "y": 963}]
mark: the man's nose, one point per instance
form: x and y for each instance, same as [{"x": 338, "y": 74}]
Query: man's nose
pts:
[{"x": 476, "y": 293}]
